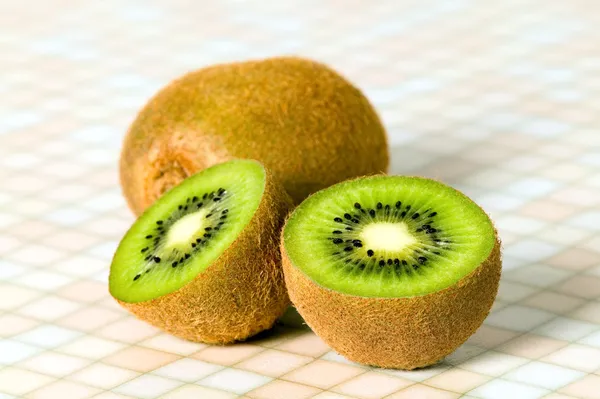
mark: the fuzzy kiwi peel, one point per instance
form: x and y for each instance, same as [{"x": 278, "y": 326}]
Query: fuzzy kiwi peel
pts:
[
  {"x": 203, "y": 262},
  {"x": 308, "y": 125},
  {"x": 400, "y": 272}
]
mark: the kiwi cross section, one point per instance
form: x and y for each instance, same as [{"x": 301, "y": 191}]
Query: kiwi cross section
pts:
[
  {"x": 187, "y": 230},
  {"x": 388, "y": 236}
]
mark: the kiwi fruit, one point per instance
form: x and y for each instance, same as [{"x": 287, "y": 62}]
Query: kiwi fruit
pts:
[
  {"x": 203, "y": 262},
  {"x": 391, "y": 271},
  {"x": 308, "y": 125}
]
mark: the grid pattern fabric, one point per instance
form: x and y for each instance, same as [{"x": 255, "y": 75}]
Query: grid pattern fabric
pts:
[{"x": 500, "y": 99}]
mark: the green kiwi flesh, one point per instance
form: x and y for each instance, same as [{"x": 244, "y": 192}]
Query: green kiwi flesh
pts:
[
  {"x": 186, "y": 231},
  {"x": 388, "y": 237}
]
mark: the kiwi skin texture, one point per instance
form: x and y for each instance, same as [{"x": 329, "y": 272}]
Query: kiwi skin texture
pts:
[
  {"x": 302, "y": 120},
  {"x": 399, "y": 333},
  {"x": 241, "y": 294}
]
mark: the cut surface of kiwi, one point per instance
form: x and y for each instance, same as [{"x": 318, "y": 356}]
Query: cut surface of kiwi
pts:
[
  {"x": 203, "y": 261},
  {"x": 186, "y": 231},
  {"x": 391, "y": 271},
  {"x": 388, "y": 237}
]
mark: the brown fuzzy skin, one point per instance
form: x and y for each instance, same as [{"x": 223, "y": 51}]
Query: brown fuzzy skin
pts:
[
  {"x": 404, "y": 333},
  {"x": 308, "y": 125},
  {"x": 241, "y": 294}
]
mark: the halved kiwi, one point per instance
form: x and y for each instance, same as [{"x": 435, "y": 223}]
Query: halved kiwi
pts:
[
  {"x": 203, "y": 262},
  {"x": 391, "y": 271}
]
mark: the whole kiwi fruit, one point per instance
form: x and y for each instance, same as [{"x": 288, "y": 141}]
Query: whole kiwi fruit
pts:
[{"x": 307, "y": 124}]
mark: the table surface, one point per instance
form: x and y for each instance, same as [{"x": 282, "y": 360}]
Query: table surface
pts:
[{"x": 500, "y": 99}]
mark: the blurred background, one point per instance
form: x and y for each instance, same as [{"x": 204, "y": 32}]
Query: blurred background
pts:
[{"x": 499, "y": 99}]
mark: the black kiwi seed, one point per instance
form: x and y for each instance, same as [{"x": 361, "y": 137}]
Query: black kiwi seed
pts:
[
  {"x": 180, "y": 207},
  {"x": 387, "y": 208},
  {"x": 209, "y": 215},
  {"x": 208, "y": 228},
  {"x": 339, "y": 220},
  {"x": 348, "y": 249},
  {"x": 199, "y": 204},
  {"x": 357, "y": 244},
  {"x": 389, "y": 261},
  {"x": 194, "y": 199},
  {"x": 370, "y": 252},
  {"x": 372, "y": 213},
  {"x": 207, "y": 235},
  {"x": 396, "y": 261},
  {"x": 159, "y": 222},
  {"x": 432, "y": 214},
  {"x": 136, "y": 277},
  {"x": 225, "y": 211},
  {"x": 379, "y": 205},
  {"x": 415, "y": 216},
  {"x": 144, "y": 249},
  {"x": 198, "y": 240},
  {"x": 381, "y": 263},
  {"x": 403, "y": 214},
  {"x": 349, "y": 228},
  {"x": 204, "y": 196},
  {"x": 404, "y": 262},
  {"x": 357, "y": 205},
  {"x": 211, "y": 195},
  {"x": 187, "y": 256},
  {"x": 337, "y": 241},
  {"x": 347, "y": 216},
  {"x": 337, "y": 232},
  {"x": 217, "y": 199},
  {"x": 157, "y": 259},
  {"x": 398, "y": 204},
  {"x": 408, "y": 207},
  {"x": 194, "y": 245},
  {"x": 149, "y": 236},
  {"x": 422, "y": 259},
  {"x": 174, "y": 264},
  {"x": 355, "y": 221}
]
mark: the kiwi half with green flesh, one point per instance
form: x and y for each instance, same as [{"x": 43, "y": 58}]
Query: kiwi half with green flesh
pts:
[
  {"x": 391, "y": 271},
  {"x": 294, "y": 115},
  {"x": 203, "y": 262}
]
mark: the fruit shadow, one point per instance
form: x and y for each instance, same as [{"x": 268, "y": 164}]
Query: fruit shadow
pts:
[{"x": 289, "y": 325}]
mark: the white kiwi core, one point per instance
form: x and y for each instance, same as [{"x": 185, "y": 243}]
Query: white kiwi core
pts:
[
  {"x": 184, "y": 229},
  {"x": 392, "y": 237}
]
